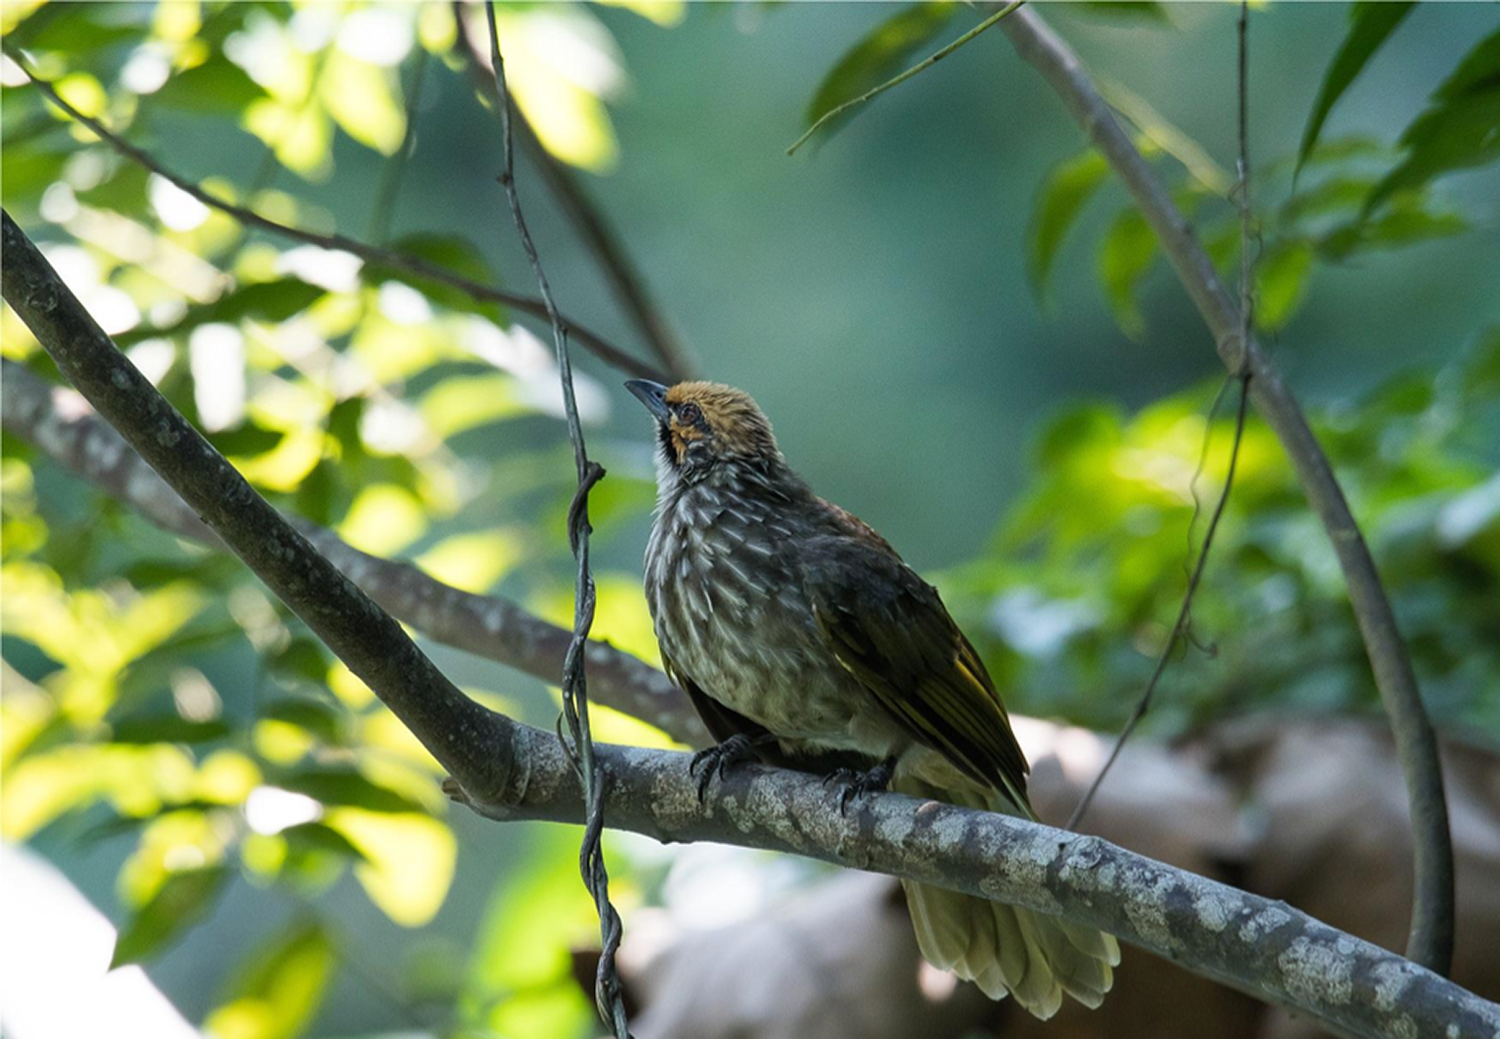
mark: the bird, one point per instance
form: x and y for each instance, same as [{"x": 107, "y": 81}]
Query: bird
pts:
[{"x": 804, "y": 640}]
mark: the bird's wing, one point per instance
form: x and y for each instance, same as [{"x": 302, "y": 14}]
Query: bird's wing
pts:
[
  {"x": 889, "y": 629},
  {"x": 722, "y": 723}
]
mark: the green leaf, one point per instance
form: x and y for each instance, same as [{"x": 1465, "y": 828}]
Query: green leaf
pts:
[
  {"x": 218, "y": 86},
  {"x": 345, "y": 786},
  {"x": 248, "y": 438},
  {"x": 77, "y": 29},
  {"x": 1281, "y": 283},
  {"x": 452, "y": 252},
  {"x": 879, "y": 56},
  {"x": 1126, "y": 255},
  {"x": 1460, "y": 128},
  {"x": 1066, "y": 190},
  {"x": 316, "y": 837},
  {"x": 301, "y": 659},
  {"x": 1407, "y": 221},
  {"x": 1369, "y": 26},
  {"x": 166, "y": 728},
  {"x": 317, "y": 718},
  {"x": 1139, "y": 11},
  {"x": 183, "y": 899},
  {"x": 280, "y": 988},
  {"x": 274, "y": 300}
]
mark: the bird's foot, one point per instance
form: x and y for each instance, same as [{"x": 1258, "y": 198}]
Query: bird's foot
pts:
[
  {"x": 852, "y": 783},
  {"x": 717, "y": 760}
]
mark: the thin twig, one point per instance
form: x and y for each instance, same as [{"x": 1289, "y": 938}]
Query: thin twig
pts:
[
  {"x": 1185, "y": 612},
  {"x": 1431, "y": 939},
  {"x": 588, "y": 219},
  {"x": 395, "y": 169},
  {"x": 608, "y": 996},
  {"x": 920, "y": 66},
  {"x": 378, "y": 255}
]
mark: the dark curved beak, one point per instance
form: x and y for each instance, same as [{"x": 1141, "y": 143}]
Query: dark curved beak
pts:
[{"x": 651, "y": 394}]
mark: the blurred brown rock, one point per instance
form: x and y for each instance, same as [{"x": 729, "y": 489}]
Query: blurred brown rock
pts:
[{"x": 1309, "y": 811}]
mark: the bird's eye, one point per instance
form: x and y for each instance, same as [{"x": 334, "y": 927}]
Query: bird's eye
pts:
[{"x": 689, "y": 415}]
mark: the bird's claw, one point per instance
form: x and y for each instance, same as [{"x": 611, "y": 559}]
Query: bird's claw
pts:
[
  {"x": 852, "y": 783},
  {"x": 719, "y": 759}
]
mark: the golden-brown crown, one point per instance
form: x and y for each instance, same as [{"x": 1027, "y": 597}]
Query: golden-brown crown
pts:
[{"x": 730, "y": 416}]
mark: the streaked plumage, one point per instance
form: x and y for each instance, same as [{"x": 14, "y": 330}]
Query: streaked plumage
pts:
[{"x": 792, "y": 622}]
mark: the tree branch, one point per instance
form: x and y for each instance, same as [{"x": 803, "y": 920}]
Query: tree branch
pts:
[
  {"x": 1431, "y": 940},
  {"x": 61, "y": 425},
  {"x": 512, "y": 771},
  {"x": 391, "y": 258}
]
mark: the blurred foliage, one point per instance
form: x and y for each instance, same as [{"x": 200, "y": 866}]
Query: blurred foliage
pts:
[
  {"x": 156, "y": 700},
  {"x": 1074, "y": 599}
]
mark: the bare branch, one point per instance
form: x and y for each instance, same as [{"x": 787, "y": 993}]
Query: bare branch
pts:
[
  {"x": 512, "y": 771},
  {"x": 60, "y": 424},
  {"x": 1431, "y": 941},
  {"x": 390, "y": 258}
]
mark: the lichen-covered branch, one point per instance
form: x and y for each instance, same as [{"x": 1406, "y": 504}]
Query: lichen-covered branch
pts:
[
  {"x": 63, "y": 427},
  {"x": 1260, "y": 946},
  {"x": 507, "y": 770},
  {"x": 1431, "y": 941}
]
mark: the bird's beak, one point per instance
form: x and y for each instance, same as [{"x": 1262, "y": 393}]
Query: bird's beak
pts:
[{"x": 651, "y": 394}]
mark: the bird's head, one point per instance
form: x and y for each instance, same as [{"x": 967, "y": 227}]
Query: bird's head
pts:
[{"x": 704, "y": 425}]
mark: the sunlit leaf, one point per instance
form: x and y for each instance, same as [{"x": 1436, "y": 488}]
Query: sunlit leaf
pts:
[
  {"x": 184, "y": 899},
  {"x": 409, "y": 864},
  {"x": 1369, "y": 26},
  {"x": 345, "y": 786},
  {"x": 279, "y": 988},
  {"x": 881, "y": 54},
  {"x": 313, "y": 716},
  {"x": 560, "y": 65},
  {"x": 305, "y": 838},
  {"x": 1126, "y": 255},
  {"x": 383, "y": 519},
  {"x": 266, "y": 301},
  {"x": 473, "y": 561},
  {"x": 1460, "y": 128},
  {"x": 1145, "y": 11},
  {"x": 464, "y": 402},
  {"x": 1281, "y": 283},
  {"x": 1064, "y": 193},
  {"x": 665, "y": 13},
  {"x": 452, "y": 252},
  {"x": 301, "y": 135},
  {"x": 523, "y": 943},
  {"x": 361, "y": 98}
]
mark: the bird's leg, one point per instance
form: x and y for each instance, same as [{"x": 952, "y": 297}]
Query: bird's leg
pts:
[
  {"x": 852, "y": 783},
  {"x": 719, "y": 759}
]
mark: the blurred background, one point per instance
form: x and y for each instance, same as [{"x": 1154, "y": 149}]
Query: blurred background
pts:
[{"x": 961, "y": 331}]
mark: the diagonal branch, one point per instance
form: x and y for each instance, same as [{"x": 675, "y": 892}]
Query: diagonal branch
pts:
[
  {"x": 512, "y": 771},
  {"x": 1431, "y": 940},
  {"x": 57, "y": 423},
  {"x": 373, "y": 254}
]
